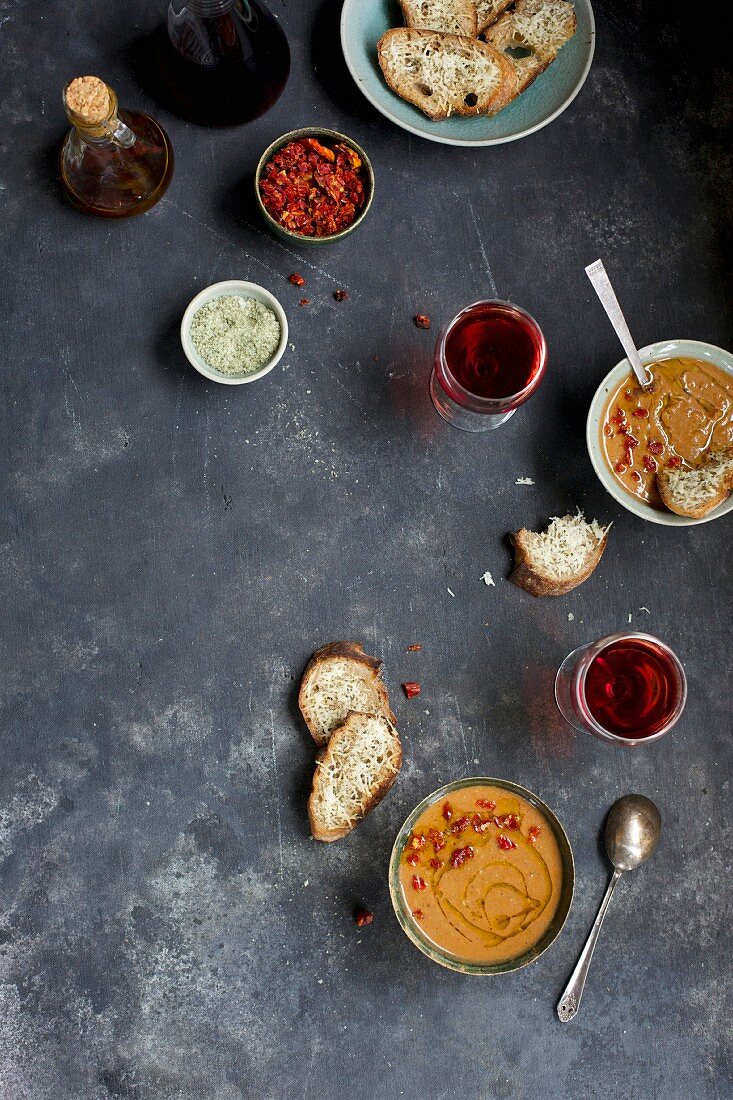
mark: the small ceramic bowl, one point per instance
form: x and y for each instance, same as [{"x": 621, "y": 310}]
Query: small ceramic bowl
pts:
[
  {"x": 412, "y": 928},
  {"x": 244, "y": 290},
  {"x": 328, "y": 137},
  {"x": 664, "y": 349}
]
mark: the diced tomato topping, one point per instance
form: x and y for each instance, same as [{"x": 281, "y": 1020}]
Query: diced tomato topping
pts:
[
  {"x": 418, "y": 914},
  {"x": 411, "y": 689},
  {"x": 460, "y": 856},
  {"x": 460, "y": 824},
  {"x": 534, "y": 832},
  {"x": 649, "y": 464},
  {"x": 655, "y": 446},
  {"x": 641, "y": 412},
  {"x": 674, "y": 461},
  {"x": 504, "y": 842},
  {"x": 418, "y": 883},
  {"x": 486, "y": 803},
  {"x": 621, "y": 467},
  {"x": 417, "y": 840},
  {"x": 413, "y": 858},
  {"x": 635, "y": 475},
  {"x": 447, "y": 811},
  {"x": 510, "y": 821},
  {"x": 436, "y": 863},
  {"x": 437, "y": 839}
]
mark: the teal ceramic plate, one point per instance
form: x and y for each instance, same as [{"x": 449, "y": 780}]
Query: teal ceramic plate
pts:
[{"x": 363, "y": 22}]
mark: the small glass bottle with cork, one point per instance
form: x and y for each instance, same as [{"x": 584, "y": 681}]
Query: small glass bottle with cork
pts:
[{"x": 113, "y": 163}]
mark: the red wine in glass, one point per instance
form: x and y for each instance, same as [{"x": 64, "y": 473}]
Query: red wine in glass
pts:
[
  {"x": 488, "y": 360},
  {"x": 627, "y": 688}
]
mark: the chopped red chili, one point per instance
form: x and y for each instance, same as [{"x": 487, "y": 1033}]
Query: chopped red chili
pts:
[
  {"x": 460, "y": 856},
  {"x": 534, "y": 832},
  {"x": 414, "y": 648},
  {"x": 305, "y": 301},
  {"x": 505, "y": 843},
  {"x": 460, "y": 825},
  {"x": 486, "y": 803},
  {"x": 435, "y": 863},
  {"x": 620, "y": 467},
  {"x": 635, "y": 475},
  {"x": 649, "y": 464},
  {"x": 413, "y": 858},
  {"x": 674, "y": 461},
  {"x": 363, "y": 916},
  {"x": 418, "y": 914},
  {"x": 641, "y": 412},
  {"x": 422, "y": 320},
  {"x": 437, "y": 839},
  {"x": 509, "y": 821},
  {"x": 417, "y": 841},
  {"x": 418, "y": 883},
  {"x": 296, "y": 279},
  {"x": 411, "y": 689},
  {"x": 655, "y": 446},
  {"x": 447, "y": 811},
  {"x": 313, "y": 190},
  {"x": 340, "y": 295}
]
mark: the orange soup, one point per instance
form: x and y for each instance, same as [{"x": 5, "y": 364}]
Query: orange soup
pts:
[{"x": 482, "y": 874}]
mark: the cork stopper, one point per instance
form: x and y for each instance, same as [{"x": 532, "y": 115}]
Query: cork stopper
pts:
[{"x": 87, "y": 97}]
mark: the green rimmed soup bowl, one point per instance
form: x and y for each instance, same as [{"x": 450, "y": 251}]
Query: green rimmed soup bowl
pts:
[
  {"x": 404, "y": 907},
  {"x": 327, "y": 137}
]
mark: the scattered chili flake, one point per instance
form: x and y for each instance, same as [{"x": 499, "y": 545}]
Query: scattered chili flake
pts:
[
  {"x": 619, "y": 417},
  {"x": 436, "y": 863},
  {"x": 340, "y": 295},
  {"x": 460, "y": 825},
  {"x": 447, "y": 811},
  {"x": 418, "y": 883},
  {"x": 413, "y": 858},
  {"x": 418, "y": 914},
  {"x": 486, "y": 803},
  {"x": 422, "y": 320},
  {"x": 650, "y": 464},
  {"x": 631, "y": 442},
  {"x": 437, "y": 839},
  {"x": 414, "y": 648},
  {"x": 296, "y": 279},
  {"x": 534, "y": 832},
  {"x": 362, "y": 916},
  {"x": 674, "y": 461},
  {"x": 510, "y": 821},
  {"x": 417, "y": 840},
  {"x": 505, "y": 843},
  {"x": 305, "y": 301},
  {"x": 411, "y": 689},
  {"x": 635, "y": 475},
  {"x": 621, "y": 467},
  {"x": 313, "y": 190},
  {"x": 480, "y": 824},
  {"x": 655, "y": 446},
  {"x": 460, "y": 856},
  {"x": 641, "y": 412}
]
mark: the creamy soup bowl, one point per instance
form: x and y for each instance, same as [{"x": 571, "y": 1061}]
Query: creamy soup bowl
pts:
[
  {"x": 411, "y": 926},
  {"x": 664, "y": 349}
]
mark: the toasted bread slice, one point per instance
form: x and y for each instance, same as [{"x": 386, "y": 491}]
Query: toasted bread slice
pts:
[
  {"x": 557, "y": 560},
  {"x": 449, "y": 16},
  {"x": 696, "y": 492},
  {"x": 339, "y": 678},
  {"x": 445, "y": 74},
  {"x": 488, "y": 12},
  {"x": 360, "y": 764},
  {"x": 540, "y": 26}
]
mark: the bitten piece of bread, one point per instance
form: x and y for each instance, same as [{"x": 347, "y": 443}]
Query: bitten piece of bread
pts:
[
  {"x": 360, "y": 764},
  {"x": 445, "y": 74},
  {"x": 557, "y": 560},
  {"x": 540, "y": 26},
  {"x": 488, "y": 12},
  {"x": 339, "y": 678},
  {"x": 449, "y": 16},
  {"x": 696, "y": 492}
]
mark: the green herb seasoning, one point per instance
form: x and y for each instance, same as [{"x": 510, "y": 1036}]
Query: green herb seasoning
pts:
[{"x": 235, "y": 335}]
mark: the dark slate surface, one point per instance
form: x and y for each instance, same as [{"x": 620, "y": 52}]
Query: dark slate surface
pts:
[{"x": 172, "y": 551}]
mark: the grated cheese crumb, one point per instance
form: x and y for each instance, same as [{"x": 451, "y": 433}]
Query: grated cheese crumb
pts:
[
  {"x": 571, "y": 617},
  {"x": 488, "y": 580},
  {"x": 451, "y": 593},
  {"x": 645, "y": 609},
  {"x": 524, "y": 481}
]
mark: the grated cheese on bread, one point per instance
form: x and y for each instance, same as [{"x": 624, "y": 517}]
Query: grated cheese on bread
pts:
[
  {"x": 449, "y": 16},
  {"x": 554, "y": 561},
  {"x": 488, "y": 12},
  {"x": 340, "y": 678},
  {"x": 540, "y": 26},
  {"x": 357, "y": 769},
  {"x": 696, "y": 492},
  {"x": 446, "y": 74}
]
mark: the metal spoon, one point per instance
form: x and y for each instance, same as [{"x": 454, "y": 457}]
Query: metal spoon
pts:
[
  {"x": 633, "y": 826},
  {"x": 596, "y": 272}
]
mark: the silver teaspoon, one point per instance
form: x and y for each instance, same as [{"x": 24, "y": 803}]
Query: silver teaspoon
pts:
[
  {"x": 596, "y": 272},
  {"x": 633, "y": 826}
]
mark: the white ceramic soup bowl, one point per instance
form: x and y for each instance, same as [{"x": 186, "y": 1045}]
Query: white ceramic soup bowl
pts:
[
  {"x": 663, "y": 349},
  {"x": 244, "y": 290}
]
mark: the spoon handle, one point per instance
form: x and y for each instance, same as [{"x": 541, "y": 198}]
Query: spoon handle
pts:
[
  {"x": 570, "y": 1000},
  {"x": 596, "y": 272}
]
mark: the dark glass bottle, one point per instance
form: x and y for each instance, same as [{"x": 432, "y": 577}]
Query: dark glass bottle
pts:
[{"x": 227, "y": 62}]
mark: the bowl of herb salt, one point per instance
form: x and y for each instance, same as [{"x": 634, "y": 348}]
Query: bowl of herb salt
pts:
[{"x": 234, "y": 332}]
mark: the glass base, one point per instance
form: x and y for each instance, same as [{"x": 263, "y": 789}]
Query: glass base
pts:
[
  {"x": 563, "y": 690},
  {"x": 459, "y": 417}
]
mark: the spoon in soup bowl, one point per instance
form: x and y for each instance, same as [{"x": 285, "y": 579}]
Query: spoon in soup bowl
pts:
[{"x": 598, "y": 276}]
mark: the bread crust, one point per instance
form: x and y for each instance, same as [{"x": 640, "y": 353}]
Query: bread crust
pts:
[
  {"x": 349, "y": 651},
  {"x": 318, "y": 830},
  {"x": 499, "y": 98},
  {"x": 665, "y": 485},
  {"x": 525, "y": 576}
]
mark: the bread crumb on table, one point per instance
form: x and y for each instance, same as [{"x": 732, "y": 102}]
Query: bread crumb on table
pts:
[
  {"x": 488, "y": 580},
  {"x": 571, "y": 617}
]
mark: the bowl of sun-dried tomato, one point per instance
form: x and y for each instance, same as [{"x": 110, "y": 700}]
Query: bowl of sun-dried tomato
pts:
[{"x": 314, "y": 186}]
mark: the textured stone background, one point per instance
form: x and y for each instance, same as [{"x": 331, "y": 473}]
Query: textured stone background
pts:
[{"x": 172, "y": 552}]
